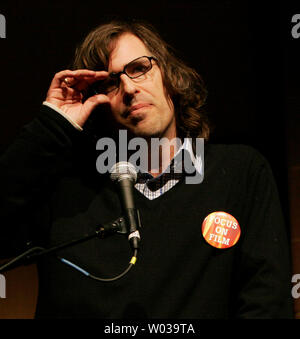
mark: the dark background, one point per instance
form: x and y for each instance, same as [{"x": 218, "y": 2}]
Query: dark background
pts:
[{"x": 243, "y": 49}]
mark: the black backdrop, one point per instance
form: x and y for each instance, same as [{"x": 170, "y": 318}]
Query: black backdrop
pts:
[{"x": 243, "y": 49}]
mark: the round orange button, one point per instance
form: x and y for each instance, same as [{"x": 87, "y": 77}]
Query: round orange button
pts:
[{"x": 221, "y": 230}]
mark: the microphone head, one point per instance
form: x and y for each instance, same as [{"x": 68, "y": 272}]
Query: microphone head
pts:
[{"x": 123, "y": 170}]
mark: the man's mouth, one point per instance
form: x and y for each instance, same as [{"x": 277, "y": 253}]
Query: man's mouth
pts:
[{"x": 136, "y": 109}]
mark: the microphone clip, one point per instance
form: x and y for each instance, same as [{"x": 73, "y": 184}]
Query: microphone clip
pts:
[
  {"x": 117, "y": 226},
  {"x": 110, "y": 228}
]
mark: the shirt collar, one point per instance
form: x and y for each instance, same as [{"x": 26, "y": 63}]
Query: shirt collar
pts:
[
  {"x": 177, "y": 163},
  {"x": 179, "y": 157}
]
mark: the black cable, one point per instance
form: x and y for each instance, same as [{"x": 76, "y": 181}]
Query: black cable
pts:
[
  {"x": 16, "y": 259},
  {"x": 81, "y": 270}
]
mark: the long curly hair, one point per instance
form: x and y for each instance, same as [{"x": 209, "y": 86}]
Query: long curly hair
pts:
[{"x": 183, "y": 84}]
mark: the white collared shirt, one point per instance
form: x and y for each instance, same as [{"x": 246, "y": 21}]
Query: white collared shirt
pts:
[{"x": 153, "y": 187}]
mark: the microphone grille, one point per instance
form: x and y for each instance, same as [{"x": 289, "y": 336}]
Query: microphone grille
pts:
[{"x": 121, "y": 170}]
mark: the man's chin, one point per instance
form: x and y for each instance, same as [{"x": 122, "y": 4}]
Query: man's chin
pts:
[
  {"x": 141, "y": 133},
  {"x": 143, "y": 129}
]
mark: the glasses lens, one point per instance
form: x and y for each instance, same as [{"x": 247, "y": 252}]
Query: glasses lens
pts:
[
  {"x": 106, "y": 86},
  {"x": 138, "y": 67}
]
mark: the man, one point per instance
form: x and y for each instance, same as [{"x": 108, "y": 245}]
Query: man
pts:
[{"x": 126, "y": 78}]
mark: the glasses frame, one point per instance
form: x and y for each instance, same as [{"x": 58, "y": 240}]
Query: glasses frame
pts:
[{"x": 117, "y": 75}]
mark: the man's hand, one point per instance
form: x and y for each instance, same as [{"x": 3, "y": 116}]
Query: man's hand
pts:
[{"x": 66, "y": 92}]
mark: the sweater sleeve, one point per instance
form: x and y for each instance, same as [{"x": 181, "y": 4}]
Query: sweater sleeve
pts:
[
  {"x": 264, "y": 265},
  {"x": 28, "y": 171}
]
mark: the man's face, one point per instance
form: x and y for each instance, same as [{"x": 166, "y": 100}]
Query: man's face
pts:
[{"x": 140, "y": 105}]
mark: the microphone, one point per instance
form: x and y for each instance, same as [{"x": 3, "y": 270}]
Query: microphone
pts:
[{"x": 125, "y": 175}]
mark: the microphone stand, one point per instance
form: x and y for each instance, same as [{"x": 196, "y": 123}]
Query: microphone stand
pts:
[{"x": 102, "y": 231}]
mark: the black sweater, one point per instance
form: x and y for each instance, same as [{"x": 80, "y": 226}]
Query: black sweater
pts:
[{"x": 51, "y": 193}]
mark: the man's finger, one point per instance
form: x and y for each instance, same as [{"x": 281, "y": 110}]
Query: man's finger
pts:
[
  {"x": 69, "y": 78},
  {"x": 96, "y": 100}
]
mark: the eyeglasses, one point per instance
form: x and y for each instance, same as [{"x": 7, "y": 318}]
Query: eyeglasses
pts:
[{"x": 133, "y": 70}]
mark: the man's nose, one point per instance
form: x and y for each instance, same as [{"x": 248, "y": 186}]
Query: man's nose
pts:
[{"x": 127, "y": 85}]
